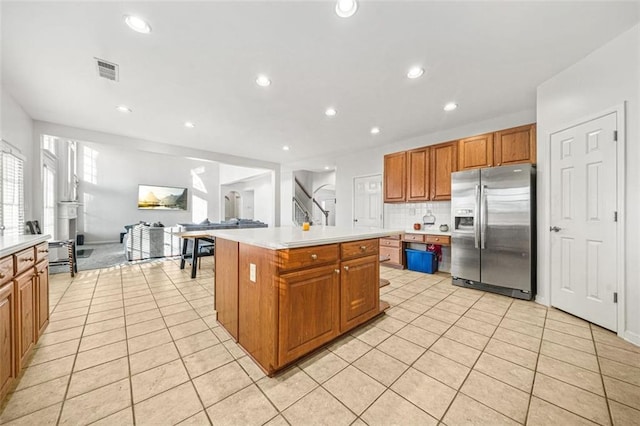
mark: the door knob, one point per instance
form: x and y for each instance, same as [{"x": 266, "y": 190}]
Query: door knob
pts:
[{"x": 555, "y": 228}]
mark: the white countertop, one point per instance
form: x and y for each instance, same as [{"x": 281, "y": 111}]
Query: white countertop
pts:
[
  {"x": 435, "y": 231},
  {"x": 10, "y": 245},
  {"x": 292, "y": 237}
]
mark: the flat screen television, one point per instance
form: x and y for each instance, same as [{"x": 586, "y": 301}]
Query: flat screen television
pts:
[{"x": 152, "y": 197}]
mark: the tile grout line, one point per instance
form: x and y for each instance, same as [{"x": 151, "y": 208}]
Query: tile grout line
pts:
[
  {"x": 126, "y": 335},
  {"x": 604, "y": 388},
  {"x": 75, "y": 358},
  {"x": 535, "y": 371}
]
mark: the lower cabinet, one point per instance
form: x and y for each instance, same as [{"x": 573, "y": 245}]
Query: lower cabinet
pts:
[
  {"x": 359, "y": 291},
  {"x": 25, "y": 285},
  {"x": 7, "y": 338},
  {"x": 309, "y": 314},
  {"x": 42, "y": 296}
]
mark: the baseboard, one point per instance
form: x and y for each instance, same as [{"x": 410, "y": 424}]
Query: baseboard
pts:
[
  {"x": 631, "y": 337},
  {"x": 542, "y": 300}
]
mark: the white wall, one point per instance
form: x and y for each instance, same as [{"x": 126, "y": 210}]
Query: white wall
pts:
[
  {"x": 263, "y": 201},
  {"x": 109, "y": 178},
  {"x": 17, "y": 129},
  {"x": 371, "y": 162},
  {"x": 603, "y": 80},
  {"x": 230, "y": 173}
]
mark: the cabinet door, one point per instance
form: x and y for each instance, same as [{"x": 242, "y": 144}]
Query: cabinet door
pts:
[
  {"x": 475, "y": 152},
  {"x": 308, "y": 311},
  {"x": 360, "y": 291},
  {"x": 42, "y": 296},
  {"x": 444, "y": 161},
  {"x": 517, "y": 145},
  {"x": 7, "y": 339},
  {"x": 395, "y": 177},
  {"x": 26, "y": 325},
  {"x": 418, "y": 174}
]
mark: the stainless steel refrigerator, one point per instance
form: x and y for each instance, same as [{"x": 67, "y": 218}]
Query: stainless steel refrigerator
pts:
[{"x": 493, "y": 238}]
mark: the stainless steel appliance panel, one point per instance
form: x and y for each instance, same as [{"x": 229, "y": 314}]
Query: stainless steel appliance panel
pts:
[
  {"x": 505, "y": 226},
  {"x": 465, "y": 252}
]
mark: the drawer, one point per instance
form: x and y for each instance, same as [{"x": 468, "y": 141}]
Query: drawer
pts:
[
  {"x": 308, "y": 256},
  {"x": 361, "y": 248},
  {"x": 394, "y": 254},
  {"x": 416, "y": 238},
  {"x": 6, "y": 269},
  {"x": 443, "y": 240},
  {"x": 25, "y": 259},
  {"x": 42, "y": 252},
  {"x": 385, "y": 242}
]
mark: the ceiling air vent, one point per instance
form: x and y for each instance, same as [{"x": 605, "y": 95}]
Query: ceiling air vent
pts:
[{"x": 107, "y": 69}]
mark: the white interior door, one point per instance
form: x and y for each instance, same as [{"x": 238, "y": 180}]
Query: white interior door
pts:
[
  {"x": 583, "y": 221},
  {"x": 367, "y": 201}
]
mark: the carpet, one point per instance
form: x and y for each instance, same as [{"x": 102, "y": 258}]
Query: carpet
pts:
[{"x": 83, "y": 253}]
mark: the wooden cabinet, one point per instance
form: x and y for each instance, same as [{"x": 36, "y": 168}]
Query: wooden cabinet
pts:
[
  {"x": 292, "y": 301},
  {"x": 509, "y": 146},
  {"x": 309, "y": 313},
  {"x": 7, "y": 337},
  {"x": 443, "y": 240},
  {"x": 359, "y": 291},
  {"x": 26, "y": 335},
  {"x": 516, "y": 145},
  {"x": 395, "y": 176},
  {"x": 42, "y": 296},
  {"x": 391, "y": 252},
  {"x": 475, "y": 152},
  {"x": 418, "y": 175},
  {"x": 24, "y": 309},
  {"x": 444, "y": 161}
]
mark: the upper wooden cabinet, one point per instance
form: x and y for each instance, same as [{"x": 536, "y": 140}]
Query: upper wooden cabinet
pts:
[
  {"x": 509, "y": 146},
  {"x": 418, "y": 175},
  {"x": 475, "y": 152},
  {"x": 444, "y": 161},
  {"x": 516, "y": 145},
  {"x": 395, "y": 175}
]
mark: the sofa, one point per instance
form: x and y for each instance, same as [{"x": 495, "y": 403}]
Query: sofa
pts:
[{"x": 146, "y": 241}]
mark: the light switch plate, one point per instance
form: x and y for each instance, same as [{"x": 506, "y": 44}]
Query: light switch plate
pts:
[{"x": 252, "y": 272}]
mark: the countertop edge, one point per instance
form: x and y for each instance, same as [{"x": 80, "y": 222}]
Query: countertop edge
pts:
[{"x": 20, "y": 243}]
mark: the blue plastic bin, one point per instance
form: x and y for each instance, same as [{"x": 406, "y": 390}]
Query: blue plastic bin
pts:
[{"x": 421, "y": 261}]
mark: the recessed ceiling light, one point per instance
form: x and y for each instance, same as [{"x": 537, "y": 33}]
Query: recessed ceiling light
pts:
[
  {"x": 263, "y": 81},
  {"x": 123, "y": 108},
  {"x": 189, "y": 124},
  {"x": 327, "y": 167},
  {"x": 330, "y": 112},
  {"x": 346, "y": 8},
  {"x": 450, "y": 106},
  {"x": 375, "y": 130},
  {"x": 415, "y": 72},
  {"x": 285, "y": 148},
  {"x": 137, "y": 24}
]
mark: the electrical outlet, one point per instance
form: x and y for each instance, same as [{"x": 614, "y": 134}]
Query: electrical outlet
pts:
[{"x": 252, "y": 272}]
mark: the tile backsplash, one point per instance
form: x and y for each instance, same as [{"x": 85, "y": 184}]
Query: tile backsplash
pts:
[{"x": 405, "y": 215}]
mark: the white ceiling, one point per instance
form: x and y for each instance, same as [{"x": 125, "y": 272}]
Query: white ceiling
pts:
[{"x": 201, "y": 60}]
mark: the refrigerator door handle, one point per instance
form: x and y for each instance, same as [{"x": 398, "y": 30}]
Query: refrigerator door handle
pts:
[
  {"x": 476, "y": 227},
  {"x": 483, "y": 216}
]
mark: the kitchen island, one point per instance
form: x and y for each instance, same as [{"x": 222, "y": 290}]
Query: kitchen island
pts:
[{"x": 284, "y": 292}]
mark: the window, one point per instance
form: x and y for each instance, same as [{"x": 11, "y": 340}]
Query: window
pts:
[
  {"x": 49, "y": 194},
  {"x": 12, "y": 192},
  {"x": 49, "y": 143}
]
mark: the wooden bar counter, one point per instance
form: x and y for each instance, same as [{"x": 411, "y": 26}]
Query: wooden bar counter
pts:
[{"x": 284, "y": 292}]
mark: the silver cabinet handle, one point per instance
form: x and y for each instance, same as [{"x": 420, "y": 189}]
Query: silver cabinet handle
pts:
[
  {"x": 363, "y": 248},
  {"x": 337, "y": 271},
  {"x": 346, "y": 268},
  {"x": 555, "y": 228},
  {"x": 314, "y": 256}
]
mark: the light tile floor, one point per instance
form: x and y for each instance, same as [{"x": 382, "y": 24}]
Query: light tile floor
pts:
[{"x": 140, "y": 344}]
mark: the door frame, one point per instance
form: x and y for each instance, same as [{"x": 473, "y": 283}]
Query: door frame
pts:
[
  {"x": 353, "y": 197},
  {"x": 620, "y": 111}
]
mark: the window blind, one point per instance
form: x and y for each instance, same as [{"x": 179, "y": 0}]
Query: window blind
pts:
[{"x": 12, "y": 194}]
